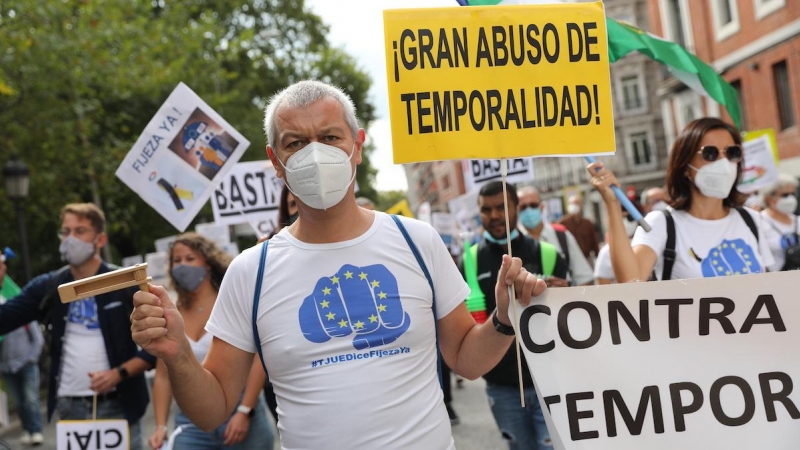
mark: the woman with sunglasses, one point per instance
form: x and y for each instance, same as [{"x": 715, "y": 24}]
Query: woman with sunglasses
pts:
[
  {"x": 782, "y": 231},
  {"x": 712, "y": 237}
]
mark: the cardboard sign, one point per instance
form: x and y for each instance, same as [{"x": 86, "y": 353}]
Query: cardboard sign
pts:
[
  {"x": 251, "y": 193},
  {"x": 401, "y": 208},
  {"x": 498, "y": 82},
  {"x": 92, "y": 435},
  {"x": 183, "y": 153},
  {"x": 685, "y": 364},
  {"x": 478, "y": 172}
]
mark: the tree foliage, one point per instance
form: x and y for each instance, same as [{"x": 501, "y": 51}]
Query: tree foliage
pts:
[{"x": 79, "y": 80}]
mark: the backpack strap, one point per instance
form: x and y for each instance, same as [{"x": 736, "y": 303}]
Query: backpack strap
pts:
[
  {"x": 748, "y": 219},
  {"x": 548, "y": 254},
  {"x": 259, "y": 279},
  {"x": 424, "y": 268},
  {"x": 562, "y": 240},
  {"x": 669, "y": 251}
]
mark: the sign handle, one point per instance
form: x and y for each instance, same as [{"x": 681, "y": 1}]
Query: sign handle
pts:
[{"x": 512, "y": 296}]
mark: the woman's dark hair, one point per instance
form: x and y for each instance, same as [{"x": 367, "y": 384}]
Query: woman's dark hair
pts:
[
  {"x": 216, "y": 259},
  {"x": 283, "y": 209},
  {"x": 686, "y": 145}
]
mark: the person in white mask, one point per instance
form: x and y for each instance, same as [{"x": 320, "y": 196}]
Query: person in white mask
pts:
[
  {"x": 339, "y": 306},
  {"x": 780, "y": 201},
  {"x": 710, "y": 223},
  {"x": 654, "y": 199}
]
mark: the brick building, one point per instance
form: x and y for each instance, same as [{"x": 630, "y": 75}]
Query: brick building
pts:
[{"x": 755, "y": 45}]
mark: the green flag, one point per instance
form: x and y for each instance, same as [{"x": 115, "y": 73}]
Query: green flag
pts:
[
  {"x": 10, "y": 289},
  {"x": 624, "y": 38}
]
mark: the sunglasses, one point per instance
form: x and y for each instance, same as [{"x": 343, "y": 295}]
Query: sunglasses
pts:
[
  {"x": 785, "y": 194},
  {"x": 528, "y": 205},
  {"x": 710, "y": 153}
]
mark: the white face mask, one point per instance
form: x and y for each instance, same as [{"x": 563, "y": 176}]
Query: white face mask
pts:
[
  {"x": 75, "y": 251},
  {"x": 572, "y": 208},
  {"x": 630, "y": 227},
  {"x": 786, "y": 205},
  {"x": 319, "y": 175},
  {"x": 716, "y": 179}
]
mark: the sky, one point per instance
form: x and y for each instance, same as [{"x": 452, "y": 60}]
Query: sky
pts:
[{"x": 357, "y": 26}]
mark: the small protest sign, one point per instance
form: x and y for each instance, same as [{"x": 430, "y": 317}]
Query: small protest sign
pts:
[
  {"x": 478, "y": 172},
  {"x": 691, "y": 364},
  {"x": 759, "y": 169},
  {"x": 498, "y": 82},
  {"x": 180, "y": 157},
  {"x": 250, "y": 193},
  {"x": 401, "y": 208},
  {"x": 92, "y": 434}
]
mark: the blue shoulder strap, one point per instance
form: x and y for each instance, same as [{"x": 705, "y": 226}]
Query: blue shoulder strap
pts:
[
  {"x": 259, "y": 278},
  {"x": 424, "y": 268}
]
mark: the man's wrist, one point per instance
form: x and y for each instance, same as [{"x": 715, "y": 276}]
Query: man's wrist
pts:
[
  {"x": 123, "y": 373},
  {"x": 500, "y": 327}
]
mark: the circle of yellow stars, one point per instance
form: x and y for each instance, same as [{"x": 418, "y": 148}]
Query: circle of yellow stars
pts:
[{"x": 358, "y": 325}]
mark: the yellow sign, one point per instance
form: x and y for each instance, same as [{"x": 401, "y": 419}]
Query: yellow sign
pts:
[
  {"x": 401, "y": 208},
  {"x": 770, "y": 134},
  {"x": 498, "y": 82}
]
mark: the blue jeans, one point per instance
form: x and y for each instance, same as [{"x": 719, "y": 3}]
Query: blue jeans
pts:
[
  {"x": 259, "y": 436},
  {"x": 23, "y": 387},
  {"x": 522, "y": 428},
  {"x": 79, "y": 408}
]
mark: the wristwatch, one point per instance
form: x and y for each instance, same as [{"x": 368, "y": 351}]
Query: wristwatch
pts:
[
  {"x": 246, "y": 410},
  {"x": 123, "y": 372},
  {"x": 500, "y": 327}
]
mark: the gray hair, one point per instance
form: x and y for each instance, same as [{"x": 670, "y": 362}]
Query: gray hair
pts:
[
  {"x": 784, "y": 181},
  {"x": 302, "y": 94},
  {"x": 643, "y": 198},
  {"x": 528, "y": 190}
]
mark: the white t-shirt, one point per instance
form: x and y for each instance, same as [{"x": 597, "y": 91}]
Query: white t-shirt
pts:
[
  {"x": 780, "y": 236},
  {"x": 377, "y": 390},
  {"x": 84, "y": 349},
  {"x": 200, "y": 347},
  {"x": 707, "y": 248},
  {"x": 602, "y": 265}
]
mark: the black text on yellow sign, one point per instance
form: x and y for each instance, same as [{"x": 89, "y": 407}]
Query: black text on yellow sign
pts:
[{"x": 498, "y": 82}]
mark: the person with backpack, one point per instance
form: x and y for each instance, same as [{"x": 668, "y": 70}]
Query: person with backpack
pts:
[
  {"x": 705, "y": 232},
  {"x": 347, "y": 309},
  {"x": 521, "y": 428},
  {"x": 531, "y": 212},
  {"x": 780, "y": 201}
]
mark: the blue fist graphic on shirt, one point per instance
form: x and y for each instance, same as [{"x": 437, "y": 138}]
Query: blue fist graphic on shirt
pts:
[
  {"x": 730, "y": 258},
  {"x": 360, "y": 300}
]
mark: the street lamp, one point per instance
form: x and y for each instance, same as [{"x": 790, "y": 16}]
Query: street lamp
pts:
[{"x": 17, "y": 178}]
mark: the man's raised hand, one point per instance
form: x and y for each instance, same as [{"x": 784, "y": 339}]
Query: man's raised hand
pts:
[
  {"x": 156, "y": 324},
  {"x": 526, "y": 286}
]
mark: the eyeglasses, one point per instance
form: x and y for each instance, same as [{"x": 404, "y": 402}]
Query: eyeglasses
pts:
[
  {"x": 785, "y": 194},
  {"x": 710, "y": 153},
  {"x": 80, "y": 231},
  {"x": 529, "y": 205}
]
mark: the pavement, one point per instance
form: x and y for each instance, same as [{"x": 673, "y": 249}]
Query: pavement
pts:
[{"x": 476, "y": 430}]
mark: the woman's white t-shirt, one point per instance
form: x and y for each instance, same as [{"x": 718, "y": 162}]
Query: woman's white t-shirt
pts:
[{"x": 708, "y": 248}]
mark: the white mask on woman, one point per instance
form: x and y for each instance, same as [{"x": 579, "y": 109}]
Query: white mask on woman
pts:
[
  {"x": 786, "y": 205},
  {"x": 319, "y": 175},
  {"x": 716, "y": 179}
]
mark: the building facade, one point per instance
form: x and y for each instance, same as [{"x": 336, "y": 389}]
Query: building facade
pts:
[{"x": 755, "y": 46}]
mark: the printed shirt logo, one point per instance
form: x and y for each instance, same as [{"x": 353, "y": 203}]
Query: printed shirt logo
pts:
[
  {"x": 729, "y": 258},
  {"x": 356, "y": 300},
  {"x": 84, "y": 312}
]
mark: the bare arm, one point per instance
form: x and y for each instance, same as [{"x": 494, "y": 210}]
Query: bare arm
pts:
[
  {"x": 162, "y": 397},
  {"x": 629, "y": 264},
  {"x": 470, "y": 349},
  {"x": 157, "y": 326}
]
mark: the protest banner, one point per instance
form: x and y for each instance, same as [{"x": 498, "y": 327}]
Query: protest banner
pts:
[
  {"x": 498, "y": 82},
  {"x": 464, "y": 209},
  {"x": 478, "y": 172},
  {"x": 251, "y": 193},
  {"x": 92, "y": 434},
  {"x": 181, "y": 156},
  {"x": 401, "y": 208},
  {"x": 760, "y": 168},
  {"x": 445, "y": 225},
  {"x": 708, "y": 363}
]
